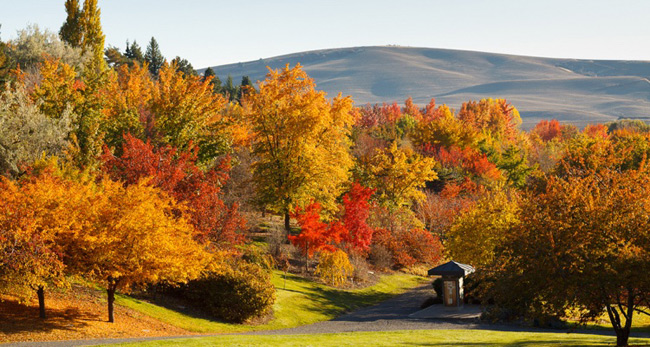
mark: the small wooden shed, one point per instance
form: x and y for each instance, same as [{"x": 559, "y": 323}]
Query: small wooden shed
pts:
[{"x": 452, "y": 274}]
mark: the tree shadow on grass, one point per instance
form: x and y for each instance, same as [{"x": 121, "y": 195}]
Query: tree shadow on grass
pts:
[{"x": 16, "y": 317}]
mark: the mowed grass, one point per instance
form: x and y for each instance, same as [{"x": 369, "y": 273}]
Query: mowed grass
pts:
[
  {"x": 404, "y": 338},
  {"x": 301, "y": 302}
]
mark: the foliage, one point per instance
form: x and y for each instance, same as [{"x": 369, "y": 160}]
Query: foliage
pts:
[
  {"x": 154, "y": 58},
  {"x": 334, "y": 268},
  {"x": 26, "y": 134},
  {"x": 398, "y": 174},
  {"x": 177, "y": 174},
  {"x": 356, "y": 213},
  {"x": 410, "y": 247},
  {"x": 59, "y": 90},
  {"x": 315, "y": 235},
  {"x": 32, "y": 46},
  {"x": 589, "y": 234},
  {"x": 233, "y": 294},
  {"x": 186, "y": 111},
  {"x": 301, "y": 141},
  {"x": 32, "y": 214},
  {"x": 477, "y": 233},
  {"x": 130, "y": 236},
  {"x": 496, "y": 117}
]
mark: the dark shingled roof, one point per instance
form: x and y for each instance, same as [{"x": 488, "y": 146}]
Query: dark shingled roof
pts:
[{"x": 451, "y": 268}]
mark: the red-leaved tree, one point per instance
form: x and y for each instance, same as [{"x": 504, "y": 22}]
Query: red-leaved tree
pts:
[
  {"x": 177, "y": 173},
  {"x": 315, "y": 236},
  {"x": 357, "y": 210}
]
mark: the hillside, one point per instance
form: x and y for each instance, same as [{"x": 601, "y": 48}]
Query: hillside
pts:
[{"x": 570, "y": 90}]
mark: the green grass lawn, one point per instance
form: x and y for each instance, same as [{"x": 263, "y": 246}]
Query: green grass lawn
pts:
[
  {"x": 302, "y": 302},
  {"x": 405, "y": 338}
]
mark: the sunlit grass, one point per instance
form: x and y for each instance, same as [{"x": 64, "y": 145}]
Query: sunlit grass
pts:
[
  {"x": 301, "y": 302},
  {"x": 405, "y": 338}
]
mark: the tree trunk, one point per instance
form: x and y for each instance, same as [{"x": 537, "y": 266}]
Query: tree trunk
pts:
[
  {"x": 41, "y": 302},
  {"x": 622, "y": 337},
  {"x": 110, "y": 292},
  {"x": 111, "y": 299},
  {"x": 287, "y": 220}
]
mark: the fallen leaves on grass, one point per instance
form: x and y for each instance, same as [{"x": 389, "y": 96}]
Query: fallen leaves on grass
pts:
[{"x": 79, "y": 313}]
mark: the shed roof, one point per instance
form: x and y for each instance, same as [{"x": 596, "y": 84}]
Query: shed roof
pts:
[{"x": 452, "y": 268}]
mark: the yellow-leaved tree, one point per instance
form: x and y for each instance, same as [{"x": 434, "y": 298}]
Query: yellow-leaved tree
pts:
[
  {"x": 301, "y": 140},
  {"x": 398, "y": 174},
  {"x": 478, "y": 232}
]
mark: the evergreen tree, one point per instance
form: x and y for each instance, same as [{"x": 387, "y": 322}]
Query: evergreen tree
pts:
[
  {"x": 134, "y": 52},
  {"x": 230, "y": 90},
  {"x": 71, "y": 30},
  {"x": 245, "y": 84},
  {"x": 214, "y": 80},
  {"x": 154, "y": 57},
  {"x": 184, "y": 66},
  {"x": 208, "y": 74}
]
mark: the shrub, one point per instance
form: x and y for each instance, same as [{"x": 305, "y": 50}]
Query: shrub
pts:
[
  {"x": 380, "y": 257},
  {"x": 334, "y": 268},
  {"x": 235, "y": 294},
  {"x": 361, "y": 270}
]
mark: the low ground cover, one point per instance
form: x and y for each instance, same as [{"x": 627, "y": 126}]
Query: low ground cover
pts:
[
  {"x": 405, "y": 338},
  {"x": 299, "y": 302}
]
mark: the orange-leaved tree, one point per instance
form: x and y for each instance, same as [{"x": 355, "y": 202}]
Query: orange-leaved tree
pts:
[
  {"x": 133, "y": 236},
  {"x": 583, "y": 242},
  {"x": 32, "y": 215}
]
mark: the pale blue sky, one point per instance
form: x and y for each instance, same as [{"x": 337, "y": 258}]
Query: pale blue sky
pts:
[{"x": 220, "y": 32}]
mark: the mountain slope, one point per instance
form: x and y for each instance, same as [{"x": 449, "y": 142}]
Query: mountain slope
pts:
[{"x": 570, "y": 90}]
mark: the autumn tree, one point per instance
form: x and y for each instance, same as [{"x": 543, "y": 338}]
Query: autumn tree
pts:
[
  {"x": 178, "y": 174},
  {"x": 479, "y": 231},
  {"x": 132, "y": 236},
  {"x": 398, "y": 174},
  {"x": 301, "y": 142},
  {"x": 83, "y": 29},
  {"x": 315, "y": 235},
  {"x": 26, "y": 133},
  {"x": 72, "y": 31},
  {"x": 583, "y": 242},
  {"x": 32, "y": 214},
  {"x": 356, "y": 212}
]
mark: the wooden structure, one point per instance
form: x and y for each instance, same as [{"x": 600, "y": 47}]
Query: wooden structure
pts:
[{"x": 452, "y": 274}]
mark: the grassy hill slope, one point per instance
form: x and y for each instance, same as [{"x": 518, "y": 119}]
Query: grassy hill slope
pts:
[{"x": 571, "y": 90}]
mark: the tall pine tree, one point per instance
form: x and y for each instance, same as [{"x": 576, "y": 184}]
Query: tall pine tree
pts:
[{"x": 154, "y": 57}]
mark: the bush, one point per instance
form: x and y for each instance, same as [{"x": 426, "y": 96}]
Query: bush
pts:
[
  {"x": 334, "y": 268},
  {"x": 234, "y": 294},
  {"x": 361, "y": 270},
  {"x": 380, "y": 257}
]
